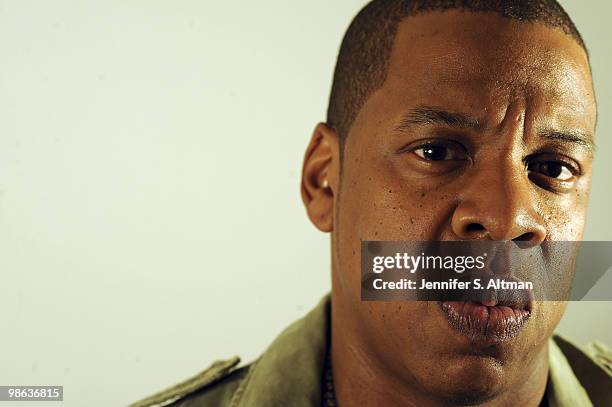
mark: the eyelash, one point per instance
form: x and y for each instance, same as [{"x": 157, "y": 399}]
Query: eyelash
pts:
[
  {"x": 434, "y": 143},
  {"x": 430, "y": 147},
  {"x": 573, "y": 168}
]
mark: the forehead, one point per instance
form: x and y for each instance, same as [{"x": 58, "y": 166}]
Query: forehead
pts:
[{"x": 462, "y": 58}]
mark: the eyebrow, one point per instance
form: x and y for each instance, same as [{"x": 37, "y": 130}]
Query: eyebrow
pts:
[
  {"x": 575, "y": 136},
  {"x": 432, "y": 115}
]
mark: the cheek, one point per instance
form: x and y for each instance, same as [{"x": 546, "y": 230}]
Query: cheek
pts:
[
  {"x": 547, "y": 317},
  {"x": 383, "y": 207},
  {"x": 565, "y": 217}
]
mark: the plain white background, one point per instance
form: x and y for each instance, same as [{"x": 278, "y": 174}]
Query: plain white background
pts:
[{"x": 150, "y": 155}]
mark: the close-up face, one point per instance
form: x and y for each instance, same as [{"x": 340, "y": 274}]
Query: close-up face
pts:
[{"x": 466, "y": 139}]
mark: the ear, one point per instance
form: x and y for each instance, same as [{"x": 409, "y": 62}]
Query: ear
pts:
[{"x": 320, "y": 176}]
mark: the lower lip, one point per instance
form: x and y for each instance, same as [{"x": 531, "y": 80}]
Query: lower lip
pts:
[{"x": 485, "y": 324}]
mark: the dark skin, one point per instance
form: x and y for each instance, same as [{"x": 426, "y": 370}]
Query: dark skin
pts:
[{"x": 514, "y": 163}]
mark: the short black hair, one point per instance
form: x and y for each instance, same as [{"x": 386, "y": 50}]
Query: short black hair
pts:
[{"x": 363, "y": 59}]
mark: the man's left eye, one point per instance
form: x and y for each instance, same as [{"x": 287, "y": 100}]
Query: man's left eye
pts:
[
  {"x": 553, "y": 169},
  {"x": 438, "y": 152}
]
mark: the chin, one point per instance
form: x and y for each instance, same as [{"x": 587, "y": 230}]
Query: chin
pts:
[{"x": 471, "y": 380}]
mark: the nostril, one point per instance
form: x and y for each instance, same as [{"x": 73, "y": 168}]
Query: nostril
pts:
[
  {"x": 474, "y": 227},
  {"x": 525, "y": 237}
]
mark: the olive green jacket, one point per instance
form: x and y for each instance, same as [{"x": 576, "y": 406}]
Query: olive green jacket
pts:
[{"x": 290, "y": 371}]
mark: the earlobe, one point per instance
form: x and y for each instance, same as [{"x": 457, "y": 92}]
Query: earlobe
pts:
[{"x": 320, "y": 175}]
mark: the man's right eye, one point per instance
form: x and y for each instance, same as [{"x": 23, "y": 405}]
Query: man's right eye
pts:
[{"x": 439, "y": 152}]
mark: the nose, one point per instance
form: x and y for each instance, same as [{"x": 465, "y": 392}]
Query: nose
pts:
[{"x": 499, "y": 204}]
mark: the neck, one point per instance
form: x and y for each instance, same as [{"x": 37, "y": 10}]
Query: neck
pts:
[{"x": 360, "y": 378}]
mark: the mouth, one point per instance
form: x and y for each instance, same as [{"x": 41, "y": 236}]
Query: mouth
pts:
[{"x": 487, "y": 321}]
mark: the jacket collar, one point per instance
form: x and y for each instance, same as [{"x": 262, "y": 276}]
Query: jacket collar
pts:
[
  {"x": 563, "y": 387},
  {"x": 289, "y": 372}
]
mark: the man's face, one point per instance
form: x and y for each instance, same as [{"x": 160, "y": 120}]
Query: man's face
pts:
[{"x": 480, "y": 131}]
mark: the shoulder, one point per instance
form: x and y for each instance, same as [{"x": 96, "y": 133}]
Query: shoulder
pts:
[
  {"x": 214, "y": 386},
  {"x": 592, "y": 366}
]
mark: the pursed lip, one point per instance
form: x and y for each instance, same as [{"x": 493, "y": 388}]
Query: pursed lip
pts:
[{"x": 488, "y": 321}]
